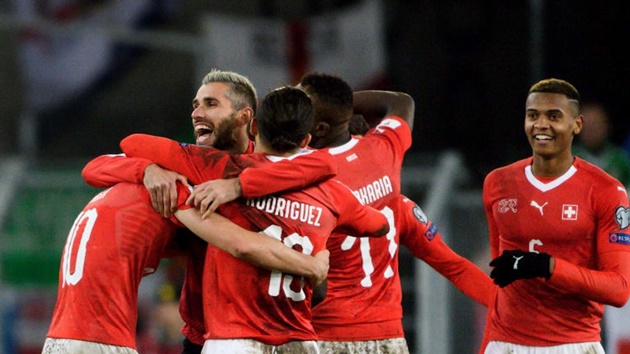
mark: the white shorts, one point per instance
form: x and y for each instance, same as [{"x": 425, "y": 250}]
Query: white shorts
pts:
[
  {"x": 383, "y": 346},
  {"x": 74, "y": 346},
  {"x": 250, "y": 346},
  {"x": 572, "y": 348}
]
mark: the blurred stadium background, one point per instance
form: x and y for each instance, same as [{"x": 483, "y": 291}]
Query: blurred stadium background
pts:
[{"x": 76, "y": 76}]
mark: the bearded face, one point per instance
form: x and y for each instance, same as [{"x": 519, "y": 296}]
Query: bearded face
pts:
[{"x": 225, "y": 133}]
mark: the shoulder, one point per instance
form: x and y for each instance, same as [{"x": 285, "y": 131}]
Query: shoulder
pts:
[
  {"x": 508, "y": 170},
  {"x": 597, "y": 174},
  {"x": 389, "y": 125}
]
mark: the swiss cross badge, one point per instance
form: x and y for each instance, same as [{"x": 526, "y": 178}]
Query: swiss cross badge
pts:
[{"x": 569, "y": 211}]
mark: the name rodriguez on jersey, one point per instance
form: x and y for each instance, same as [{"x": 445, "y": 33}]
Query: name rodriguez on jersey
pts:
[{"x": 286, "y": 208}]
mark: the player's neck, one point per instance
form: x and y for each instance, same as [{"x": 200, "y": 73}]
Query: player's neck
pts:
[
  {"x": 263, "y": 148},
  {"x": 338, "y": 139},
  {"x": 241, "y": 144},
  {"x": 551, "y": 167}
]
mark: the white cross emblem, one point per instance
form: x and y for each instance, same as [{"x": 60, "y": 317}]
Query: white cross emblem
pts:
[{"x": 569, "y": 211}]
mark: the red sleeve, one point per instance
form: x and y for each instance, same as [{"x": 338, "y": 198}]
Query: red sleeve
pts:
[
  {"x": 492, "y": 227},
  {"x": 106, "y": 170},
  {"x": 355, "y": 218},
  {"x": 198, "y": 164},
  {"x": 609, "y": 283},
  {"x": 395, "y": 130},
  {"x": 424, "y": 241},
  {"x": 299, "y": 171},
  {"x": 607, "y": 287},
  {"x": 182, "y": 194}
]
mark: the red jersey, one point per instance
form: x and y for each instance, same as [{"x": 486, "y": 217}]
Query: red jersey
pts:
[
  {"x": 116, "y": 240},
  {"x": 363, "y": 295},
  {"x": 241, "y": 300},
  {"x": 106, "y": 170},
  {"x": 581, "y": 219}
]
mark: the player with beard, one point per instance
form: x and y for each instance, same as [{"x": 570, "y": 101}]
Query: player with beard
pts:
[{"x": 224, "y": 105}]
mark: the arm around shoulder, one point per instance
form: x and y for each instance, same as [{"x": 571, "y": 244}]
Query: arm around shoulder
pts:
[
  {"x": 253, "y": 247},
  {"x": 106, "y": 170}
]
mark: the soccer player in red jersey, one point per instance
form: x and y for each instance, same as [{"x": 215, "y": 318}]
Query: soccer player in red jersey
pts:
[
  {"x": 117, "y": 240},
  {"x": 362, "y": 308},
  {"x": 247, "y": 308},
  {"x": 362, "y": 305},
  {"x": 559, "y": 237}
]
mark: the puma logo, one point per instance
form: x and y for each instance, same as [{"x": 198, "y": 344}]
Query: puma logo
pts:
[
  {"x": 538, "y": 206},
  {"x": 516, "y": 261}
]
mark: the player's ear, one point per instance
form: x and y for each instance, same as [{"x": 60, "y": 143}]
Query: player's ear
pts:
[
  {"x": 253, "y": 127},
  {"x": 245, "y": 115},
  {"x": 320, "y": 129},
  {"x": 305, "y": 141},
  {"x": 577, "y": 124}
]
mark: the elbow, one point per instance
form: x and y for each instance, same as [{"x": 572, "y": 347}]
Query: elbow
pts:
[
  {"x": 242, "y": 250},
  {"x": 621, "y": 300},
  {"x": 90, "y": 178},
  {"x": 384, "y": 230},
  {"x": 128, "y": 142},
  {"x": 87, "y": 177}
]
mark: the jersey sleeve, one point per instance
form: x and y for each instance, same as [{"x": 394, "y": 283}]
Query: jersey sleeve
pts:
[
  {"x": 197, "y": 163},
  {"x": 424, "y": 241},
  {"x": 396, "y": 131},
  {"x": 355, "y": 218},
  {"x": 106, "y": 170},
  {"x": 299, "y": 171},
  {"x": 182, "y": 194},
  {"x": 610, "y": 283},
  {"x": 492, "y": 226}
]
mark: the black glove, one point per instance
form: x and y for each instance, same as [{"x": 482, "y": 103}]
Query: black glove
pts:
[{"x": 516, "y": 264}]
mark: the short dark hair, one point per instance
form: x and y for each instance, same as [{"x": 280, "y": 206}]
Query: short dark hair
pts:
[
  {"x": 285, "y": 117},
  {"x": 331, "y": 95},
  {"x": 553, "y": 85}
]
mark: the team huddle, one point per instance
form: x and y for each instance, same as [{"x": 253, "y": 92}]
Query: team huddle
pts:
[{"x": 287, "y": 217}]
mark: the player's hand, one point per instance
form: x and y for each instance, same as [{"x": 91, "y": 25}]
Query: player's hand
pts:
[
  {"x": 516, "y": 264},
  {"x": 208, "y": 196},
  {"x": 162, "y": 188},
  {"x": 321, "y": 268}
]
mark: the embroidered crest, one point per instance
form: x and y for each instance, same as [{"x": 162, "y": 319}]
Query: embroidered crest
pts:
[{"x": 506, "y": 205}]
